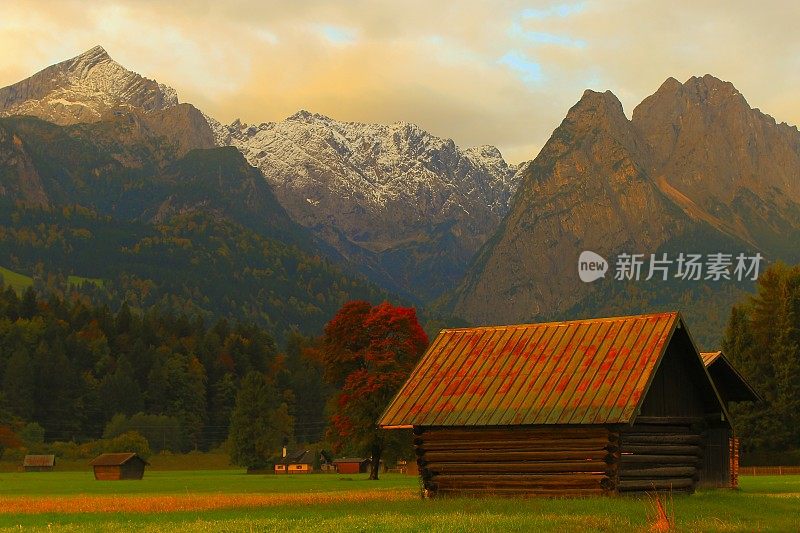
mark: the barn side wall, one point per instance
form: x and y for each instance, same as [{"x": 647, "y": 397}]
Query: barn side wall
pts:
[
  {"x": 661, "y": 453},
  {"x": 716, "y": 471},
  {"x": 555, "y": 461},
  {"x": 107, "y": 473},
  {"x": 133, "y": 469},
  {"x": 349, "y": 468}
]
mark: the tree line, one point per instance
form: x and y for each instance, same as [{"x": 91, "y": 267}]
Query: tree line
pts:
[
  {"x": 762, "y": 340},
  {"x": 82, "y": 372}
]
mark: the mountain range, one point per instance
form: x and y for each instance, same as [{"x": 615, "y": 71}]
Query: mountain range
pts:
[
  {"x": 403, "y": 207},
  {"x": 695, "y": 169}
]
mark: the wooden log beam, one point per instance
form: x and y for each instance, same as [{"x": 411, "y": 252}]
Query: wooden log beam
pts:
[
  {"x": 571, "y": 483},
  {"x": 532, "y": 468},
  {"x": 662, "y": 449},
  {"x": 655, "y": 428},
  {"x": 509, "y": 456},
  {"x": 679, "y": 439},
  {"x": 556, "y": 492},
  {"x": 656, "y": 484},
  {"x": 530, "y": 478},
  {"x": 630, "y": 471},
  {"x": 532, "y": 445},
  {"x": 656, "y": 459}
]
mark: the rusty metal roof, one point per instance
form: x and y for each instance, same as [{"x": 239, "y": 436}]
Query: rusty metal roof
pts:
[
  {"x": 578, "y": 372},
  {"x": 39, "y": 460},
  {"x": 350, "y": 460},
  {"x": 115, "y": 459},
  {"x": 709, "y": 357}
]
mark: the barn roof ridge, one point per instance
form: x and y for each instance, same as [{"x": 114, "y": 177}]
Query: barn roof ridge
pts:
[
  {"x": 554, "y": 323},
  {"x": 115, "y": 458}
]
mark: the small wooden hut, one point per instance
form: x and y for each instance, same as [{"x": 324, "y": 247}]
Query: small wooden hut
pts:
[
  {"x": 721, "y": 462},
  {"x": 298, "y": 462},
  {"x": 116, "y": 466},
  {"x": 39, "y": 463},
  {"x": 601, "y": 406},
  {"x": 351, "y": 465}
]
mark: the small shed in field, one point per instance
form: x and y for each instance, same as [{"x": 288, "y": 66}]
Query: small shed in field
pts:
[
  {"x": 721, "y": 468},
  {"x": 115, "y": 466},
  {"x": 298, "y": 462},
  {"x": 351, "y": 465},
  {"x": 599, "y": 406},
  {"x": 39, "y": 463}
]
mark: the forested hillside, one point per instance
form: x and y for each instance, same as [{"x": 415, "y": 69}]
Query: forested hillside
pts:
[
  {"x": 82, "y": 372},
  {"x": 200, "y": 234}
]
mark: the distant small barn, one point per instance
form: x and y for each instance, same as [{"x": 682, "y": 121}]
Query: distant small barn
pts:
[
  {"x": 39, "y": 463},
  {"x": 115, "y": 466},
  {"x": 351, "y": 465},
  {"x": 601, "y": 406},
  {"x": 721, "y": 464},
  {"x": 298, "y": 462}
]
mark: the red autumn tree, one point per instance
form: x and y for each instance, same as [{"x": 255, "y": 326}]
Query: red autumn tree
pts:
[{"x": 367, "y": 353}]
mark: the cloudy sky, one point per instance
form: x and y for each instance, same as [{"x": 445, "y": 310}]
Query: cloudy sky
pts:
[{"x": 494, "y": 72}]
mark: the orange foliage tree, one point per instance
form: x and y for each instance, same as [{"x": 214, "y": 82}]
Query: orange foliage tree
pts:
[{"x": 367, "y": 353}]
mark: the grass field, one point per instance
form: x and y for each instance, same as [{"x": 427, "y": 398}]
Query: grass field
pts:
[
  {"x": 226, "y": 500},
  {"x": 18, "y": 282}
]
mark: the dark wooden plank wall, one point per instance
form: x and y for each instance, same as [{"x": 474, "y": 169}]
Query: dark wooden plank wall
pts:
[
  {"x": 661, "y": 453},
  {"x": 556, "y": 461},
  {"x": 716, "y": 470},
  {"x": 679, "y": 387}
]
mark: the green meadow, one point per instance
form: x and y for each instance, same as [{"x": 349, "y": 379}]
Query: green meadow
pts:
[
  {"x": 18, "y": 281},
  {"x": 329, "y": 502}
]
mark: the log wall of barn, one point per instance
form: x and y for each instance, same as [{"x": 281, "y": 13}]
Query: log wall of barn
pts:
[
  {"x": 557, "y": 461},
  {"x": 661, "y": 453}
]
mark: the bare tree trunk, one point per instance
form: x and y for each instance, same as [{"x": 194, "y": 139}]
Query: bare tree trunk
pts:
[{"x": 375, "y": 465}]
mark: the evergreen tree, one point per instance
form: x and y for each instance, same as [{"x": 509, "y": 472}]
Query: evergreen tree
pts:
[
  {"x": 260, "y": 423},
  {"x": 763, "y": 341}
]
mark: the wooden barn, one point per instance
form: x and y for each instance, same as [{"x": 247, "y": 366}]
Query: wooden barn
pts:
[
  {"x": 721, "y": 469},
  {"x": 115, "y": 466},
  {"x": 39, "y": 463},
  {"x": 601, "y": 406},
  {"x": 351, "y": 465},
  {"x": 298, "y": 462}
]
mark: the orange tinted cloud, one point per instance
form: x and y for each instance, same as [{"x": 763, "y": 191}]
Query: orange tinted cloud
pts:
[{"x": 480, "y": 72}]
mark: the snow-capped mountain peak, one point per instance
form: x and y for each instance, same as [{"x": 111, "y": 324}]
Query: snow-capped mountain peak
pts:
[
  {"x": 84, "y": 89},
  {"x": 371, "y": 190}
]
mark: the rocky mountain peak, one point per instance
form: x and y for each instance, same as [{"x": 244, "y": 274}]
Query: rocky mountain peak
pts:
[
  {"x": 307, "y": 116},
  {"x": 596, "y": 108},
  {"x": 695, "y": 169},
  {"x": 93, "y": 56},
  {"x": 85, "y": 88}
]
